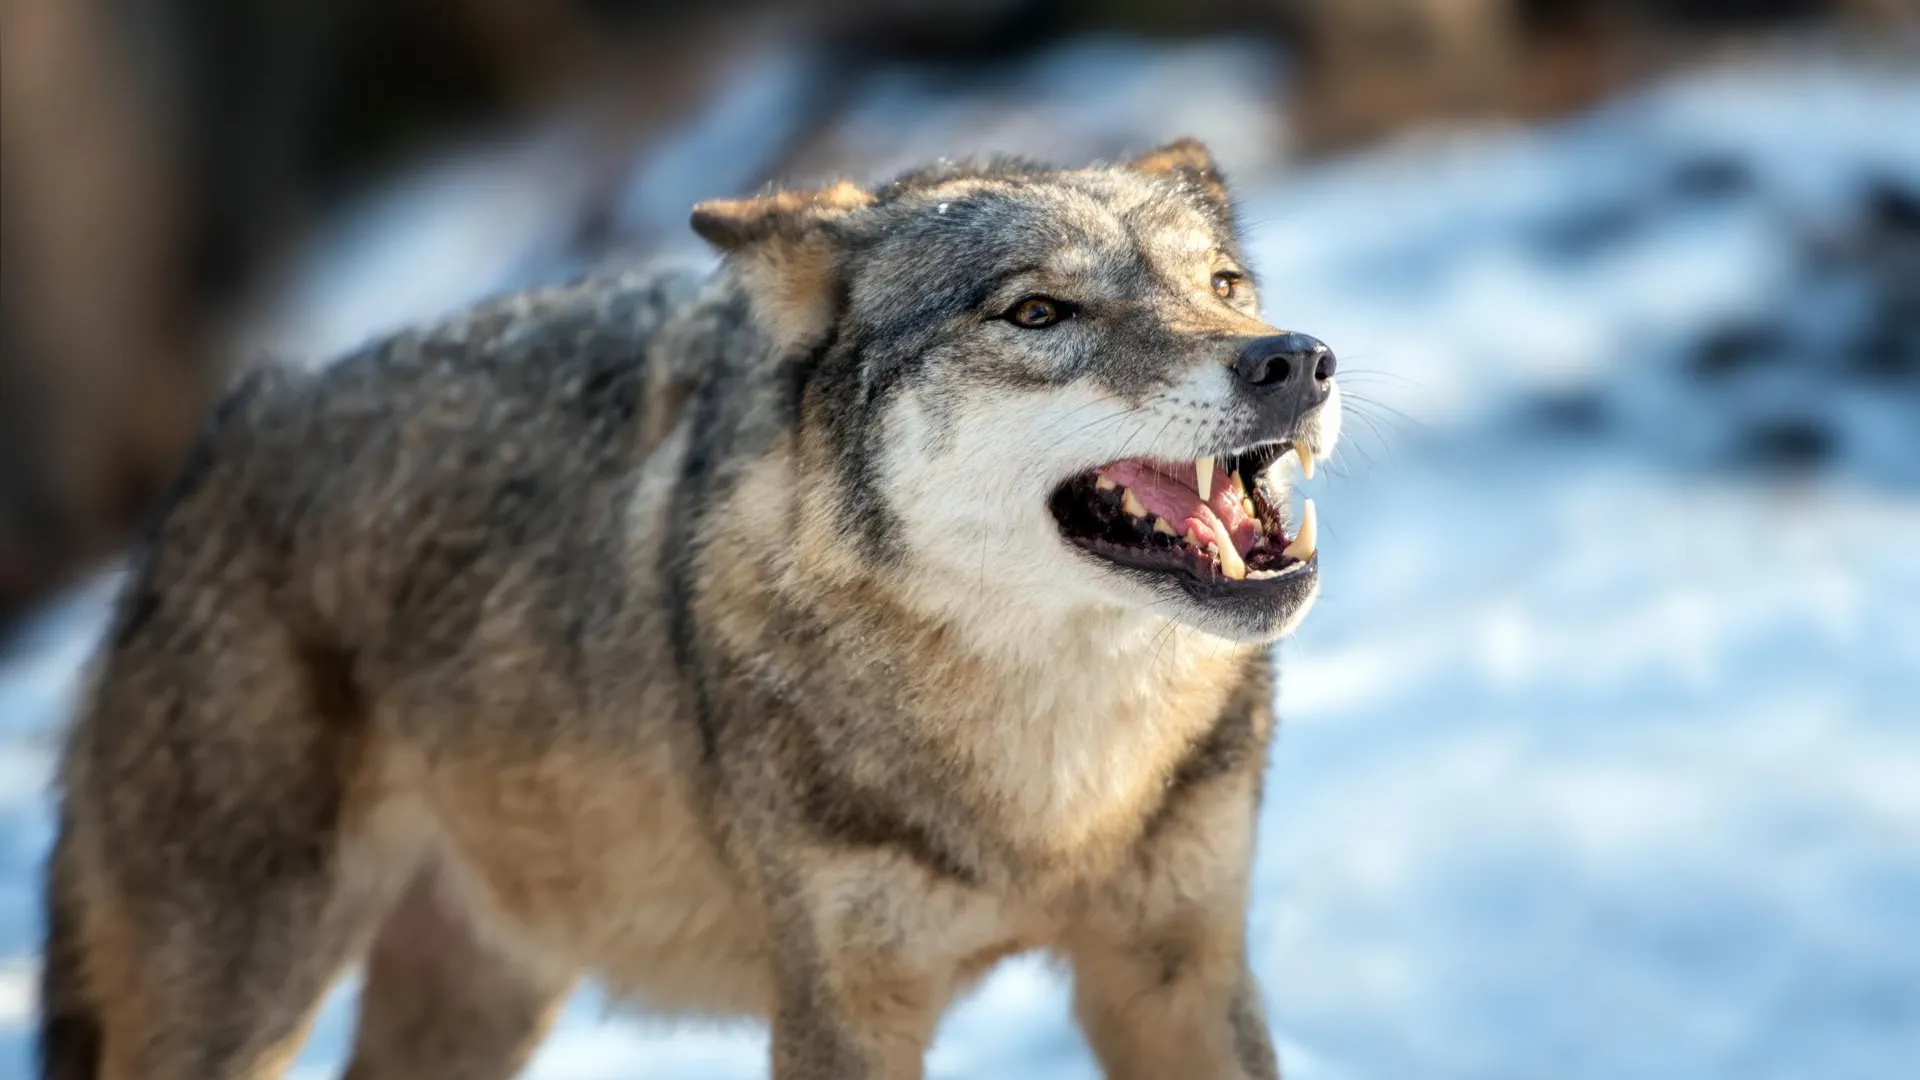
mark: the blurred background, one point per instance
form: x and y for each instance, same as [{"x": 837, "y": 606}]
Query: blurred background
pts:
[{"x": 1602, "y": 747}]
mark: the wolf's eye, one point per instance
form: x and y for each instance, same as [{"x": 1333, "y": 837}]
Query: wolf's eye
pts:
[
  {"x": 1226, "y": 284},
  {"x": 1036, "y": 312}
]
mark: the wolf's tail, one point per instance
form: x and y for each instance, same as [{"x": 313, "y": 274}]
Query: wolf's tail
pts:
[{"x": 70, "y": 1031}]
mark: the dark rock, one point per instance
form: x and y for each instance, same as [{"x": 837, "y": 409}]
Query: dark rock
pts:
[
  {"x": 1584, "y": 234},
  {"x": 1736, "y": 347},
  {"x": 1893, "y": 207},
  {"x": 1792, "y": 442},
  {"x": 1711, "y": 176},
  {"x": 1578, "y": 412}
]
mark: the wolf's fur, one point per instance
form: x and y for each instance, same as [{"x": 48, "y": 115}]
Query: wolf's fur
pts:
[{"x": 711, "y": 638}]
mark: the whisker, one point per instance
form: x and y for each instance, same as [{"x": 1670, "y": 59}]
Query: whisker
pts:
[
  {"x": 1378, "y": 435},
  {"x": 1348, "y": 372},
  {"x": 1096, "y": 423},
  {"x": 1128, "y": 445},
  {"x": 1374, "y": 403},
  {"x": 1383, "y": 431},
  {"x": 1163, "y": 638},
  {"x": 1353, "y": 445},
  {"x": 1090, "y": 404}
]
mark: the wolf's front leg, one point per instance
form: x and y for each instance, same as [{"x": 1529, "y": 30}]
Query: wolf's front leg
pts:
[
  {"x": 860, "y": 979},
  {"x": 1161, "y": 984},
  {"x": 1172, "y": 1001},
  {"x": 851, "y": 1025}
]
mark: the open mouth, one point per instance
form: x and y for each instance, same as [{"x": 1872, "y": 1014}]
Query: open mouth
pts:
[{"x": 1219, "y": 521}]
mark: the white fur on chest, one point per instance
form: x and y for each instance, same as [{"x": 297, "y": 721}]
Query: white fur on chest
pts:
[{"x": 1078, "y": 738}]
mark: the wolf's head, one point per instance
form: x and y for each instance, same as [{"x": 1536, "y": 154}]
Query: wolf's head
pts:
[{"x": 1055, "y": 385}]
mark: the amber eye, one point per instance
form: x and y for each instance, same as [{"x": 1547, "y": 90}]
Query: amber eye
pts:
[
  {"x": 1226, "y": 284},
  {"x": 1036, "y": 312}
]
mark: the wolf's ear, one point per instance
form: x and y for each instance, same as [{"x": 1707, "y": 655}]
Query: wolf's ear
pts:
[
  {"x": 1186, "y": 160},
  {"x": 731, "y": 224},
  {"x": 787, "y": 251}
]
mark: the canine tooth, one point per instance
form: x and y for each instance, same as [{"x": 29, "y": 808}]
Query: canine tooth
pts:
[
  {"x": 1160, "y": 526},
  {"x": 1305, "y": 454},
  {"x": 1104, "y": 483},
  {"x": 1231, "y": 564},
  {"x": 1302, "y": 547},
  {"x": 1203, "y": 470},
  {"x": 1131, "y": 503}
]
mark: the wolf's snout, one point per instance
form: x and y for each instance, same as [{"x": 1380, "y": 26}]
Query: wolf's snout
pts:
[{"x": 1297, "y": 365}]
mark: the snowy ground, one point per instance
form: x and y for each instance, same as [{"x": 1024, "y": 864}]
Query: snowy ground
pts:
[{"x": 1602, "y": 754}]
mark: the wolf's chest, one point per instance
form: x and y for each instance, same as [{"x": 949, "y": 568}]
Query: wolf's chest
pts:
[{"x": 1077, "y": 767}]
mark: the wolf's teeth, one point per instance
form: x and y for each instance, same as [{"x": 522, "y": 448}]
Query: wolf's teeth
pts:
[
  {"x": 1231, "y": 564},
  {"x": 1160, "y": 526},
  {"x": 1239, "y": 485},
  {"x": 1104, "y": 483},
  {"x": 1131, "y": 503},
  {"x": 1305, "y": 455},
  {"x": 1302, "y": 547},
  {"x": 1203, "y": 473},
  {"x": 1246, "y": 505},
  {"x": 1192, "y": 539}
]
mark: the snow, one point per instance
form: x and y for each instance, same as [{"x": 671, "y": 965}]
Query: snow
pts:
[{"x": 1602, "y": 746}]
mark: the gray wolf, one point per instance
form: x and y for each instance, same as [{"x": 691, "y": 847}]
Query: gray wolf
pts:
[{"x": 795, "y": 642}]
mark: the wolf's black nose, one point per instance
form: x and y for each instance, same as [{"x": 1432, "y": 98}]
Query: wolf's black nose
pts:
[{"x": 1297, "y": 362}]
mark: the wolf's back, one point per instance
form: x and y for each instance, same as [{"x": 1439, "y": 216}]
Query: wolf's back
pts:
[{"x": 434, "y": 462}]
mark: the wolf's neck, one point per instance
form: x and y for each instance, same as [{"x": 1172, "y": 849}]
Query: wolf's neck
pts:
[
  {"x": 1032, "y": 659},
  {"x": 1077, "y": 723},
  {"x": 1066, "y": 724},
  {"x": 1018, "y": 630}
]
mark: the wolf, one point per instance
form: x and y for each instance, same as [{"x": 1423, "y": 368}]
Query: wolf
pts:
[{"x": 794, "y": 641}]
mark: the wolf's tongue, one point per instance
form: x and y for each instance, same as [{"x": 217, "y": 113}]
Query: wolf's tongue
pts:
[{"x": 1172, "y": 492}]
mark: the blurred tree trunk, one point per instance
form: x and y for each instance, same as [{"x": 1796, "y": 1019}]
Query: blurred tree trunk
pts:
[{"x": 100, "y": 384}]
